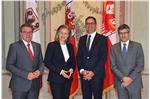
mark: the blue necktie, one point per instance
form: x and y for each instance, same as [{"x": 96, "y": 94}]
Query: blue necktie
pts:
[
  {"x": 124, "y": 51},
  {"x": 88, "y": 43}
]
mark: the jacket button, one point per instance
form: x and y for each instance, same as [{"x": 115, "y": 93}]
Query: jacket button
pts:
[{"x": 87, "y": 57}]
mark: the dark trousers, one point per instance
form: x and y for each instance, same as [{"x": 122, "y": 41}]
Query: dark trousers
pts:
[
  {"x": 33, "y": 93},
  {"x": 93, "y": 86},
  {"x": 61, "y": 90}
]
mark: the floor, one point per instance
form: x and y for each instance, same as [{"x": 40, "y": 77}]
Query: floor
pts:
[{"x": 46, "y": 94}]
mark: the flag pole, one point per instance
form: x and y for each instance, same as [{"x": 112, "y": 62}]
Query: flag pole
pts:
[
  {"x": 69, "y": 17},
  {"x": 108, "y": 29},
  {"x": 106, "y": 95}
]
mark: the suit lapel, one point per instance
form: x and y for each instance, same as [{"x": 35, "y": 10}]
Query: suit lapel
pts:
[
  {"x": 60, "y": 51},
  {"x": 26, "y": 51},
  {"x": 69, "y": 50},
  {"x": 84, "y": 43},
  {"x": 130, "y": 46},
  {"x": 120, "y": 52},
  {"x": 23, "y": 47}
]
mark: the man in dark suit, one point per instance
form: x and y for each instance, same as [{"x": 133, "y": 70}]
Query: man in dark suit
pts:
[
  {"x": 25, "y": 62},
  {"x": 91, "y": 58},
  {"x": 127, "y": 63}
]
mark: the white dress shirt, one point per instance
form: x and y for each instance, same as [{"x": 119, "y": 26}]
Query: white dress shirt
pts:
[
  {"x": 122, "y": 44},
  {"x": 31, "y": 47},
  {"x": 91, "y": 41}
]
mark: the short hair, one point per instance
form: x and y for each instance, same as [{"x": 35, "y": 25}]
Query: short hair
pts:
[
  {"x": 62, "y": 27},
  {"x": 123, "y": 26},
  {"x": 26, "y": 25},
  {"x": 91, "y": 17}
]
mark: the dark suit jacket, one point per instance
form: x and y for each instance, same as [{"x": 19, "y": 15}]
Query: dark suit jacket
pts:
[
  {"x": 95, "y": 59},
  {"x": 55, "y": 61},
  {"x": 20, "y": 64}
]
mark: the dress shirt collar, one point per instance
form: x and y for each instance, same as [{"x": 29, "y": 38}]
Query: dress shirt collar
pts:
[
  {"x": 127, "y": 44},
  {"x": 26, "y": 43},
  {"x": 92, "y": 34}
]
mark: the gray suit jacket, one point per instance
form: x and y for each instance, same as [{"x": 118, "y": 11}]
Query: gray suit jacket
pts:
[
  {"x": 131, "y": 66},
  {"x": 20, "y": 64}
]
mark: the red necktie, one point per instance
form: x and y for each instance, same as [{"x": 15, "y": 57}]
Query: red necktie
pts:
[{"x": 30, "y": 52}]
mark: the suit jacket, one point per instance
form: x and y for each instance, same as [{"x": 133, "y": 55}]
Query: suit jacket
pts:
[
  {"x": 131, "y": 66},
  {"x": 55, "y": 61},
  {"x": 20, "y": 64},
  {"x": 94, "y": 59}
]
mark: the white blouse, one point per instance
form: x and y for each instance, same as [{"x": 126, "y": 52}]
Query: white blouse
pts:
[{"x": 65, "y": 51}]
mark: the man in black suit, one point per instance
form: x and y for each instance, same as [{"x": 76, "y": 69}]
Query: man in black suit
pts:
[
  {"x": 91, "y": 58},
  {"x": 25, "y": 62}
]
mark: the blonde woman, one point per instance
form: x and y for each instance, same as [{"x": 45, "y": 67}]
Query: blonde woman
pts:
[{"x": 60, "y": 60}]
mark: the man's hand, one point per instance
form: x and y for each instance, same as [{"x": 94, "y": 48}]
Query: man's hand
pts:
[
  {"x": 91, "y": 73},
  {"x": 31, "y": 76},
  {"x": 87, "y": 75},
  {"x": 84, "y": 72},
  {"x": 126, "y": 81},
  {"x": 36, "y": 73}
]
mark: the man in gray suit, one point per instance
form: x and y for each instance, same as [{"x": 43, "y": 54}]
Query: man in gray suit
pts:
[
  {"x": 127, "y": 63},
  {"x": 25, "y": 62}
]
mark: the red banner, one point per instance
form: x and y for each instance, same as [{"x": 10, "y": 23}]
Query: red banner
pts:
[
  {"x": 69, "y": 17},
  {"x": 108, "y": 30}
]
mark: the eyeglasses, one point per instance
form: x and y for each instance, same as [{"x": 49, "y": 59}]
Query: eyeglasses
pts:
[
  {"x": 92, "y": 23},
  {"x": 27, "y": 33},
  {"x": 123, "y": 33}
]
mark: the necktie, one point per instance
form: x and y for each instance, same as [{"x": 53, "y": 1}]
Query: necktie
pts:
[
  {"x": 30, "y": 53},
  {"x": 124, "y": 51},
  {"x": 88, "y": 43}
]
